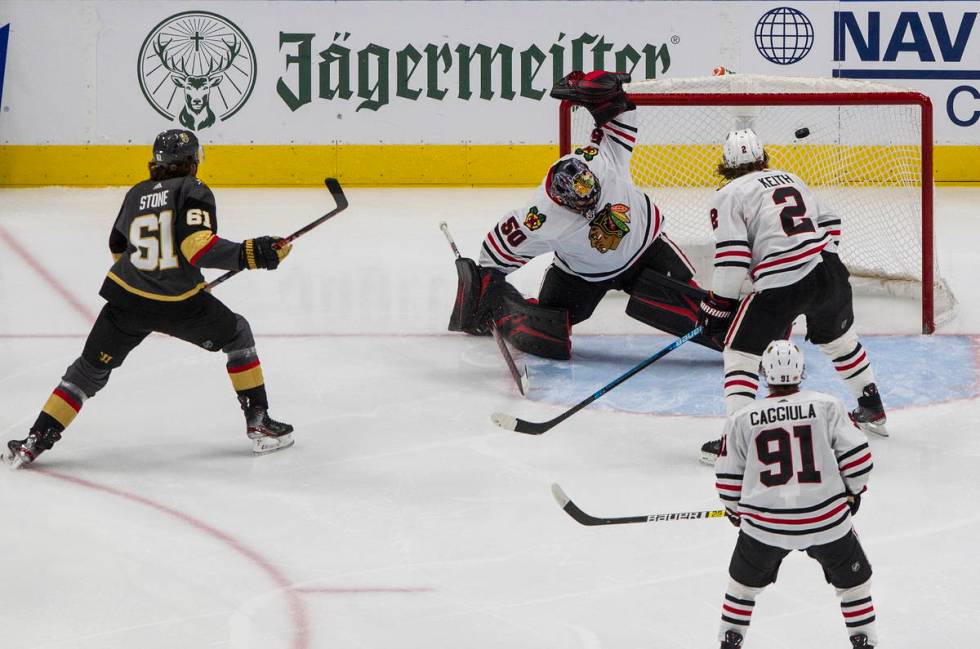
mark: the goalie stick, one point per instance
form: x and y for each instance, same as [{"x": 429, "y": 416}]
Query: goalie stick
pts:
[
  {"x": 537, "y": 428},
  {"x": 520, "y": 378},
  {"x": 587, "y": 519},
  {"x": 336, "y": 191}
]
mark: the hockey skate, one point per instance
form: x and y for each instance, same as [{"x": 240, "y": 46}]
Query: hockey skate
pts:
[
  {"x": 733, "y": 640},
  {"x": 710, "y": 451},
  {"x": 25, "y": 451},
  {"x": 266, "y": 433},
  {"x": 869, "y": 416},
  {"x": 860, "y": 641}
]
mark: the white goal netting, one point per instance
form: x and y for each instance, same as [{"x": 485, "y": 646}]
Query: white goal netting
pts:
[{"x": 865, "y": 160}]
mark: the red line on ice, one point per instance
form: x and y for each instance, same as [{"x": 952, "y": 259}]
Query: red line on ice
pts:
[
  {"x": 38, "y": 268},
  {"x": 297, "y": 609}
]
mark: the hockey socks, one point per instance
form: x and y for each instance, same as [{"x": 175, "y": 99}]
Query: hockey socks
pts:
[
  {"x": 61, "y": 408},
  {"x": 859, "y": 612},
  {"x": 736, "y": 611},
  {"x": 245, "y": 372},
  {"x": 741, "y": 379},
  {"x": 851, "y": 362}
]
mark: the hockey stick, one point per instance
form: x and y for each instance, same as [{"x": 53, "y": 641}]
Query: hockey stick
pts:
[
  {"x": 536, "y": 428},
  {"x": 587, "y": 519},
  {"x": 338, "y": 196},
  {"x": 519, "y": 378}
]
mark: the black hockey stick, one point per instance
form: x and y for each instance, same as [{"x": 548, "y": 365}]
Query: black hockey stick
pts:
[
  {"x": 587, "y": 519},
  {"x": 338, "y": 196},
  {"x": 519, "y": 378},
  {"x": 536, "y": 428}
]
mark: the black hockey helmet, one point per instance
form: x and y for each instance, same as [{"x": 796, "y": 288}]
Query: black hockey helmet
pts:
[
  {"x": 176, "y": 146},
  {"x": 571, "y": 184}
]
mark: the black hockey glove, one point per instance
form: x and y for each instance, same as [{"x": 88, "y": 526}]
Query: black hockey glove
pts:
[
  {"x": 262, "y": 252},
  {"x": 733, "y": 517},
  {"x": 854, "y": 502},
  {"x": 716, "y": 315},
  {"x": 600, "y": 92}
]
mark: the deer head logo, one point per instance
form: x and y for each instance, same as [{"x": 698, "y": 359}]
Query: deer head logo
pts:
[
  {"x": 196, "y": 114},
  {"x": 190, "y": 55}
]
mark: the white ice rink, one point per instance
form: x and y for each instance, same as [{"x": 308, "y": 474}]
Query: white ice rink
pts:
[{"x": 402, "y": 518}]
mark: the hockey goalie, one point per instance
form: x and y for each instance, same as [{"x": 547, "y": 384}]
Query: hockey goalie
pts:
[{"x": 605, "y": 233}]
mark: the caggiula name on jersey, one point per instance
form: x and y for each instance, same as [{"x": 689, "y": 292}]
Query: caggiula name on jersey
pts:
[{"x": 788, "y": 412}]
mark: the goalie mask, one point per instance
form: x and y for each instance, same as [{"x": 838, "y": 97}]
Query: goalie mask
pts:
[
  {"x": 571, "y": 184},
  {"x": 782, "y": 363},
  {"x": 743, "y": 148}
]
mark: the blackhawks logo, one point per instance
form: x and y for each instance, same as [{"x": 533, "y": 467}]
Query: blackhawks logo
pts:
[
  {"x": 609, "y": 226},
  {"x": 588, "y": 152},
  {"x": 188, "y": 55},
  {"x": 534, "y": 219}
]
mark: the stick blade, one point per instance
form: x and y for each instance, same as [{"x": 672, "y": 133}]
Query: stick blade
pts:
[
  {"x": 333, "y": 186},
  {"x": 504, "y": 421},
  {"x": 560, "y": 496}
]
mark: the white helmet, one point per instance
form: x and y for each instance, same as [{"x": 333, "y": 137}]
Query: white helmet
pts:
[
  {"x": 743, "y": 147},
  {"x": 782, "y": 363}
]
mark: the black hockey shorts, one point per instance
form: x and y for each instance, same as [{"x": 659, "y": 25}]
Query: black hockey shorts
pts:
[
  {"x": 580, "y": 296},
  {"x": 823, "y": 296},
  {"x": 756, "y": 564},
  {"x": 207, "y": 323}
]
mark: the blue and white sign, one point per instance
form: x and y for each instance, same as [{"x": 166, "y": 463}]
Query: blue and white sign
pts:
[{"x": 784, "y": 35}]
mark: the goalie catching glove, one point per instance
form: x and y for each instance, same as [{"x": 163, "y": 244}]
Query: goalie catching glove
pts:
[
  {"x": 262, "y": 252},
  {"x": 600, "y": 92},
  {"x": 716, "y": 315}
]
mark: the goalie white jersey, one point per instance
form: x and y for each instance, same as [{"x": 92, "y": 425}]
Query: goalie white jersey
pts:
[
  {"x": 787, "y": 466},
  {"x": 624, "y": 224},
  {"x": 768, "y": 225}
]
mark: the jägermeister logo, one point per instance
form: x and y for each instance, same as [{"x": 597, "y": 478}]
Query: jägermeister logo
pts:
[{"x": 197, "y": 68}]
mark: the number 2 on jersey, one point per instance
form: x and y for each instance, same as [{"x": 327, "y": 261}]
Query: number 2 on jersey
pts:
[
  {"x": 153, "y": 236},
  {"x": 782, "y": 455},
  {"x": 793, "y": 217}
]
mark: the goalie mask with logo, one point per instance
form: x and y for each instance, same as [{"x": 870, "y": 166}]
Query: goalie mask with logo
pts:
[{"x": 609, "y": 226}]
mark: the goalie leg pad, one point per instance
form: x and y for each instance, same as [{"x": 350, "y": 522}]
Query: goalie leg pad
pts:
[
  {"x": 535, "y": 329},
  {"x": 468, "y": 290},
  {"x": 668, "y": 305}
]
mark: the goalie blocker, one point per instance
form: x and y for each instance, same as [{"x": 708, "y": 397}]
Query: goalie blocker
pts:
[{"x": 482, "y": 295}]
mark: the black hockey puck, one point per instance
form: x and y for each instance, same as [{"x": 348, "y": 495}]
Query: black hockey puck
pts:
[{"x": 802, "y": 133}]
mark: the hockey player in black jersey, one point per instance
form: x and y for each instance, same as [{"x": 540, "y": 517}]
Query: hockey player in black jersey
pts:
[{"x": 166, "y": 231}]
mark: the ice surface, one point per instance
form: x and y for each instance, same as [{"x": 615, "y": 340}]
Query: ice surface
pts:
[{"x": 403, "y": 517}]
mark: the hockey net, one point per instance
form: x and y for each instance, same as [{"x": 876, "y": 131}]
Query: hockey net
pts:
[{"x": 865, "y": 148}]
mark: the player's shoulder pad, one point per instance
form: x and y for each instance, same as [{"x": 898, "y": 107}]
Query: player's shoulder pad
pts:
[{"x": 196, "y": 189}]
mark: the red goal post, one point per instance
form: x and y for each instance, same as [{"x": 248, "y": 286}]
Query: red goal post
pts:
[{"x": 833, "y": 163}]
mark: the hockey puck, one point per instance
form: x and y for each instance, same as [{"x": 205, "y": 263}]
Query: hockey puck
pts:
[{"x": 802, "y": 133}]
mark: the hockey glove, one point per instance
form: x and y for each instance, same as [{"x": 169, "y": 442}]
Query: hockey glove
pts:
[
  {"x": 716, "y": 315},
  {"x": 262, "y": 252},
  {"x": 854, "y": 503},
  {"x": 733, "y": 517},
  {"x": 600, "y": 92}
]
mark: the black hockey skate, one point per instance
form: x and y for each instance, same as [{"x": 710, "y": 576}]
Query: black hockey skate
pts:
[
  {"x": 733, "y": 640},
  {"x": 710, "y": 451},
  {"x": 266, "y": 433},
  {"x": 869, "y": 416},
  {"x": 25, "y": 451},
  {"x": 860, "y": 641}
]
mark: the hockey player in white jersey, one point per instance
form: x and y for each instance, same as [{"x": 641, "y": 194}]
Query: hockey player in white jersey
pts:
[
  {"x": 769, "y": 227},
  {"x": 791, "y": 473},
  {"x": 604, "y": 232}
]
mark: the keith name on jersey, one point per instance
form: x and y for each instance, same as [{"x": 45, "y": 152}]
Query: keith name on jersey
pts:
[
  {"x": 788, "y": 412},
  {"x": 775, "y": 180}
]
